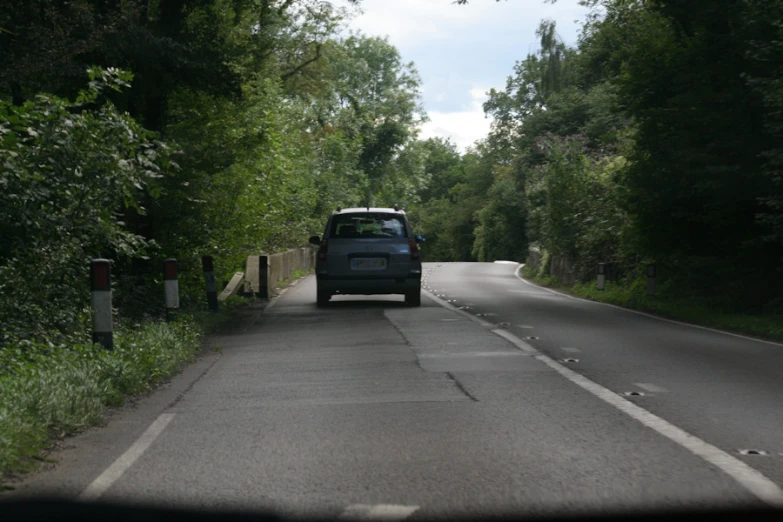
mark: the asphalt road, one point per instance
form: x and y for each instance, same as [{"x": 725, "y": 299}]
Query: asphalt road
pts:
[{"x": 370, "y": 409}]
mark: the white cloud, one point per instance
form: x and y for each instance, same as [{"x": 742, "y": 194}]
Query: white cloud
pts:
[
  {"x": 458, "y": 48},
  {"x": 409, "y": 23},
  {"x": 463, "y": 127}
]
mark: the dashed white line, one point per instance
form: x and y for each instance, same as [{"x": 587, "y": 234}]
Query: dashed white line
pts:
[
  {"x": 751, "y": 479},
  {"x": 454, "y": 309},
  {"x": 652, "y": 388},
  {"x": 113, "y": 473},
  {"x": 379, "y": 512},
  {"x": 273, "y": 301}
]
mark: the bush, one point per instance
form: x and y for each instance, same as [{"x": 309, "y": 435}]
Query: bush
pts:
[
  {"x": 52, "y": 390},
  {"x": 70, "y": 172}
]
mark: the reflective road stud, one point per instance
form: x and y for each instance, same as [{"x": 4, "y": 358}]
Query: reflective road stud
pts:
[
  {"x": 601, "y": 276},
  {"x": 170, "y": 288},
  {"x": 209, "y": 278},
  {"x": 100, "y": 285}
]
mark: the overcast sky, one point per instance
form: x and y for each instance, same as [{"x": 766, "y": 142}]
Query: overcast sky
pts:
[{"x": 463, "y": 51}]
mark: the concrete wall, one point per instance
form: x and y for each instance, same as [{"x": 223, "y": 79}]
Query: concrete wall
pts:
[
  {"x": 533, "y": 258},
  {"x": 562, "y": 268},
  {"x": 279, "y": 267}
]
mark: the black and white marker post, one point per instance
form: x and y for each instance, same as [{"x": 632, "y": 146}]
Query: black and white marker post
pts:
[
  {"x": 209, "y": 278},
  {"x": 170, "y": 288},
  {"x": 100, "y": 285},
  {"x": 601, "y": 276}
]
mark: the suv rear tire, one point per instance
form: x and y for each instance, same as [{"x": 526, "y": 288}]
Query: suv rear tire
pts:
[
  {"x": 322, "y": 298},
  {"x": 413, "y": 297}
]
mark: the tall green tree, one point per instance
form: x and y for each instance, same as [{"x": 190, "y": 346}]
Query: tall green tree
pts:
[{"x": 381, "y": 94}]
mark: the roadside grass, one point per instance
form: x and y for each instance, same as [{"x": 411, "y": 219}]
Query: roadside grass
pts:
[
  {"x": 48, "y": 392},
  {"x": 632, "y": 294},
  {"x": 210, "y": 322},
  {"x": 298, "y": 274}
]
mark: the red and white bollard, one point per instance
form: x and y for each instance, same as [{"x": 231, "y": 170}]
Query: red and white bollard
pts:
[
  {"x": 100, "y": 285},
  {"x": 170, "y": 288},
  {"x": 209, "y": 278}
]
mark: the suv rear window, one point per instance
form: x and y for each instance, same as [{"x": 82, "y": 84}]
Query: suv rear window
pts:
[{"x": 368, "y": 225}]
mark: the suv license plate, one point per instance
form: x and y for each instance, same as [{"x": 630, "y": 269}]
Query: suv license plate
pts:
[{"x": 372, "y": 263}]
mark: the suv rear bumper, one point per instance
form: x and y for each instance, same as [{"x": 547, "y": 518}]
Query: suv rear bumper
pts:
[{"x": 368, "y": 285}]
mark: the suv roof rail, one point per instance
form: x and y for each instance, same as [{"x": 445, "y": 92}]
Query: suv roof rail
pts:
[
  {"x": 339, "y": 209},
  {"x": 397, "y": 207}
]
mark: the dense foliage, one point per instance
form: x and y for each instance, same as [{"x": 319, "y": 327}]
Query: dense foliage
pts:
[
  {"x": 52, "y": 391},
  {"x": 222, "y": 127},
  {"x": 228, "y": 127},
  {"x": 656, "y": 139},
  {"x": 143, "y": 129}
]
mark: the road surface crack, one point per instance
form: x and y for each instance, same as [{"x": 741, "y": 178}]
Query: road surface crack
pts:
[{"x": 461, "y": 387}]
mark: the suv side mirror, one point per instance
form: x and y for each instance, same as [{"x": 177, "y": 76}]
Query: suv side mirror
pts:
[
  {"x": 420, "y": 239},
  {"x": 315, "y": 240}
]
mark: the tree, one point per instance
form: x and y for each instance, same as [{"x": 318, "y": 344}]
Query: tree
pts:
[
  {"x": 381, "y": 95},
  {"x": 696, "y": 180},
  {"x": 68, "y": 169}
]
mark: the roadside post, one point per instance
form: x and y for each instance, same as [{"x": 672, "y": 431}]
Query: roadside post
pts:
[
  {"x": 170, "y": 288},
  {"x": 257, "y": 275},
  {"x": 100, "y": 286},
  {"x": 651, "y": 274},
  {"x": 263, "y": 277},
  {"x": 209, "y": 278},
  {"x": 601, "y": 276}
]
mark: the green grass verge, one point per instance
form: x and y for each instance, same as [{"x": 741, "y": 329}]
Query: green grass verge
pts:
[
  {"x": 633, "y": 295},
  {"x": 298, "y": 274},
  {"x": 48, "y": 392},
  {"x": 210, "y": 322}
]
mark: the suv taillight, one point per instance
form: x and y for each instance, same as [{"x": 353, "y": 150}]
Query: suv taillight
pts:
[
  {"x": 414, "y": 249},
  {"x": 323, "y": 250}
]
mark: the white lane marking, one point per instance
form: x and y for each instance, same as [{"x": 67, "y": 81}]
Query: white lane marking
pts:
[
  {"x": 378, "y": 512},
  {"x": 526, "y": 327},
  {"x": 471, "y": 354},
  {"x": 571, "y": 349},
  {"x": 637, "y": 312},
  {"x": 273, "y": 301},
  {"x": 113, "y": 473},
  {"x": 652, "y": 388},
  {"x": 534, "y": 293},
  {"x": 454, "y": 309},
  {"x": 752, "y": 480}
]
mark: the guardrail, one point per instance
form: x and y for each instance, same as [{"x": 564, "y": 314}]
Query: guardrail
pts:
[
  {"x": 264, "y": 272},
  {"x": 563, "y": 269}
]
